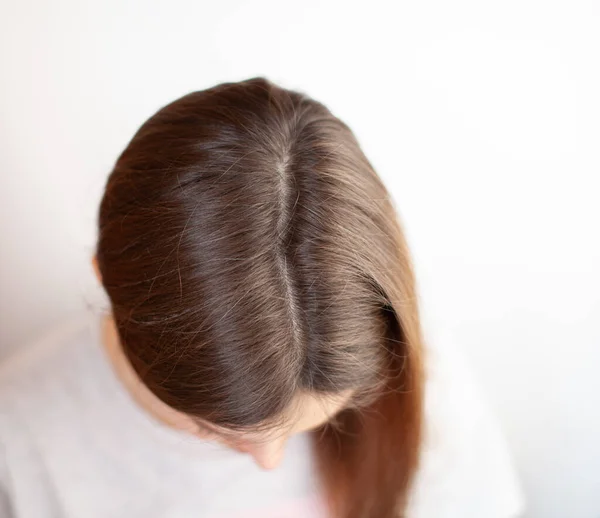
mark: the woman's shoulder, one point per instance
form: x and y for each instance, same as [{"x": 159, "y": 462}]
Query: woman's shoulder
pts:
[{"x": 35, "y": 372}]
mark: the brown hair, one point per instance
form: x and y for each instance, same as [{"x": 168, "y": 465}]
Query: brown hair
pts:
[{"x": 249, "y": 250}]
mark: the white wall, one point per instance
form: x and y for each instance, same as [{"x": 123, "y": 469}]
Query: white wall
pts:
[{"x": 482, "y": 117}]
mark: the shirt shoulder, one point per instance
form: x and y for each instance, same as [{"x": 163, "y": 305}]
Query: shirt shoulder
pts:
[
  {"x": 33, "y": 409},
  {"x": 36, "y": 377},
  {"x": 44, "y": 361}
]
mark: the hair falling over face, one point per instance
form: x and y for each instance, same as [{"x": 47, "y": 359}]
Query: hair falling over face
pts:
[{"x": 250, "y": 251}]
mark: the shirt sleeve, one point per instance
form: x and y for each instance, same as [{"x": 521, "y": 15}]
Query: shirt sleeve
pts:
[{"x": 466, "y": 468}]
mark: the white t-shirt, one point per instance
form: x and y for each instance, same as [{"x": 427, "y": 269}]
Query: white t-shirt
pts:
[{"x": 74, "y": 444}]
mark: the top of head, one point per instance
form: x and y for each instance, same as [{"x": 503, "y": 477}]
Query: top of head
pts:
[{"x": 249, "y": 251}]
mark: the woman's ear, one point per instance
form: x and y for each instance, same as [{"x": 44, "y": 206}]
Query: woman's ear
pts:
[{"x": 96, "y": 269}]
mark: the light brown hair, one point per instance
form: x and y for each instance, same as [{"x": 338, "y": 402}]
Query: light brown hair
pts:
[{"x": 249, "y": 251}]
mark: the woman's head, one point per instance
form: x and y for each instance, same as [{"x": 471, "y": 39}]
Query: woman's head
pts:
[{"x": 255, "y": 265}]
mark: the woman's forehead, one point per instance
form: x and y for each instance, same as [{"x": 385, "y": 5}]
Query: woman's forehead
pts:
[
  {"x": 308, "y": 410},
  {"x": 316, "y": 409}
]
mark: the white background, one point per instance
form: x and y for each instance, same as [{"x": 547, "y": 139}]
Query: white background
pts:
[{"x": 483, "y": 118}]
